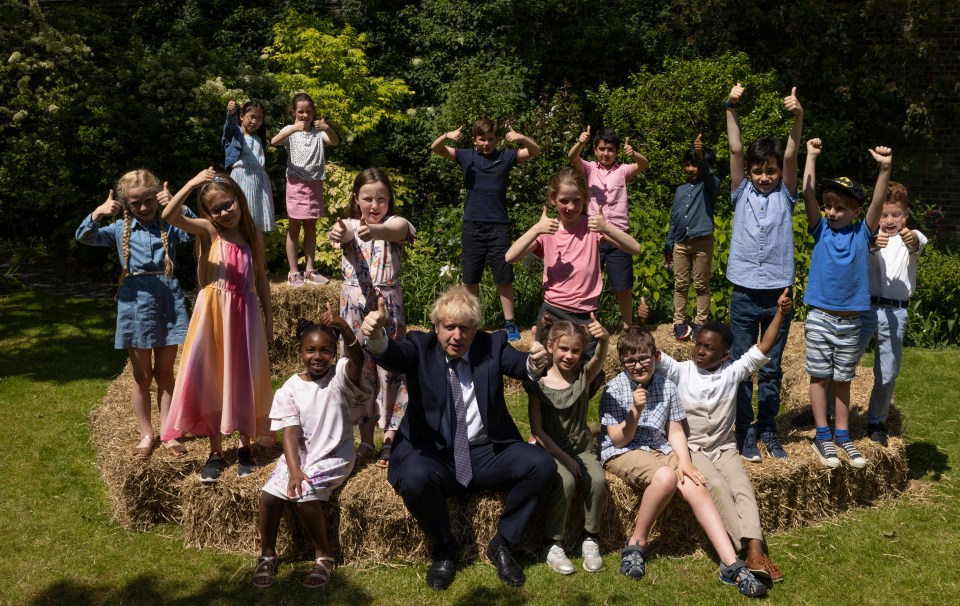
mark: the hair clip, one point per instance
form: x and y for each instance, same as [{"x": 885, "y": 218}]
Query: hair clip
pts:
[{"x": 219, "y": 179}]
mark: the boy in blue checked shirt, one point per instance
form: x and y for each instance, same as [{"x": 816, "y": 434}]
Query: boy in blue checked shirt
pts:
[
  {"x": 760, "y": 265},
  {"x": 643, "y": 442},
  {"x": 837, "y": 292}
]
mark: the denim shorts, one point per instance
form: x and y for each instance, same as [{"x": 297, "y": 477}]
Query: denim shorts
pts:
[{"x": 832, "y": 345}]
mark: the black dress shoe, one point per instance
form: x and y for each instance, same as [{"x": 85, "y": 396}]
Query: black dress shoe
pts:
[
  {"x": 508, "y": 569},
  {"x": 441, "y": 571}
]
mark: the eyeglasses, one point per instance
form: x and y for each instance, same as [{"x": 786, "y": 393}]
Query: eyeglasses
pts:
[
  {"x": 638, "y": 361},
  {"x": 226, "y": 207}
]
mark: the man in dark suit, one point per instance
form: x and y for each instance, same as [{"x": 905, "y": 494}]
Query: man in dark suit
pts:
[{"x": 457, "y": 435}]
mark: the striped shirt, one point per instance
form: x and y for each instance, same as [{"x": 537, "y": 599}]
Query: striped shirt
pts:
[{"x": 663, "y": 405}]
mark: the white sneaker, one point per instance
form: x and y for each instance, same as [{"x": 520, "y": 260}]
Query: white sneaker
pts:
[
  {"x": 592, "y": 562},
  {"x": 557, "y": 559}
]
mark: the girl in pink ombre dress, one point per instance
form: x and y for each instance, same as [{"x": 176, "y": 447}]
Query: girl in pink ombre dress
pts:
[{"x": 223, "y": 385}]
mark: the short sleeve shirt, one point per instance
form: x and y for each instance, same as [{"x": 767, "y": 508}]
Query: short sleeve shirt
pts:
[
  {"x": 838, "y": 268},
  {"x": 761, "y": 246},
  {"x": 663, "y": 405},
  {"x": 608, "y": 190},
  {"x": 486, "y": 179},
  {"x": 893, "y": 269},
  {"x": 306, "y": 160},
  {"x": 571, "y": 268}
]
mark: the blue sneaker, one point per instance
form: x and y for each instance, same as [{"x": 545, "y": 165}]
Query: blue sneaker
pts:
[
  {"x": 748, "y": 448},
  {"x": 739, "y": 575},
  {"x": 513, "y": 332},
  {"x": 682, "y": 331},
  {"x": 771, "y": 440},
  {"x": 696, "y": 331}
]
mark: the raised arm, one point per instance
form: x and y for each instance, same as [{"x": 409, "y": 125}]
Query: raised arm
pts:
[
  {"x": 89, "y": 232},
  {"x": 440, "y": 148},
  {"x": 394, "y": 229},
  {"x": 574, "y": 154},
  {"x": 173, "y": 211},
  {"x": 710, "y": 181},
  {"x": 351, "y": 344},
  {"x": 737, "y": 173},
  {"x": 792, "y": 105},
  {"x": 640, "y": 161},
  {"x": 814, "y": 147},
  {"x": 769, "y": 338},
  {"x": 599, "y": 333},
  {"x": 884, "y": 158},
  {"x": 526, "y": 243},
  {"x": 529, "y": 149},
  {"x": 613, "y": 234},
  {"x": 230, "y": 124}
]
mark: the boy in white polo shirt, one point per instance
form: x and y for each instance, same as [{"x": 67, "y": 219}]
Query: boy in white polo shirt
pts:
[{"x": 707, "y": 386}]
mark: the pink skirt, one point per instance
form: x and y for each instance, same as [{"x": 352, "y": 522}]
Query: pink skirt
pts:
[{"x": 304, "y": 198}]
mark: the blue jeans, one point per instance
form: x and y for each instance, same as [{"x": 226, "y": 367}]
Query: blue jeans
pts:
[
  {"x": 751, "y": 312},
  {"x": 890, "y": 325}
]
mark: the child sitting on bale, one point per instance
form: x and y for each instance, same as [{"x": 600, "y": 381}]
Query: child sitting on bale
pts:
[{"x": 643, "y": 442}]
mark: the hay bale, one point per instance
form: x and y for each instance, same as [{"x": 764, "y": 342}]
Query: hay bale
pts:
[
  {"x": 289, "y": 305},
  {"x": 144, "y": 493}
]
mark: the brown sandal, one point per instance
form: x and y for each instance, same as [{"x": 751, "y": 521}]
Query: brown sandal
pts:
[
  {"x": 143, "y": 452},
  {"x": 175, "y": 450},
  {"x": 320, "y": 575},
  {"x": 265, "y": 571}
]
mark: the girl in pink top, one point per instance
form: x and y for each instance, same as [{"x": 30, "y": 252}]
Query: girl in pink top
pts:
[{"x": 570, "y": 249}]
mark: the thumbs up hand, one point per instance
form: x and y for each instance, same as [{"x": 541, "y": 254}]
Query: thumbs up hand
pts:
[
  {"x": 584, "y": 136},
  {"x": 110, "y": 208},
  {"x": 785, "y": 303},
  {"x": 372, "y": 327},
  {"x": 792, "y": 104},
  {"x": 339, "y": 233},
  {"x": 596, "y": 329},
  {"x": 598, "y": 223},
  {"x": 163, "y": 196},
  {"x": 643, "y": 312},
  {"x": 539, "y": 356},
  {"x": 363, "y": 231},
  {"x": 546, "y": 224}
]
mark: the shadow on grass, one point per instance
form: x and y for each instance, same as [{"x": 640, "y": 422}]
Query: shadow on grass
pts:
[
  {"x": 48, "y": 338},
  {"x": 924, "y": 458},
  {"x": 227, "y": 589}
]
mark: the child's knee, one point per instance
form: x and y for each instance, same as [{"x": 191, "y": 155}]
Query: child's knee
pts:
[{"x": 664, "y": 479}]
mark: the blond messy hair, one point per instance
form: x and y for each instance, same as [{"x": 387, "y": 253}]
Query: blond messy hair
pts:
[{"x": 457, "y": 304}]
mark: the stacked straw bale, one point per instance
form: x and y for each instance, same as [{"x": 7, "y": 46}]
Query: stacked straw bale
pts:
[{"x": 367, "y": 521}]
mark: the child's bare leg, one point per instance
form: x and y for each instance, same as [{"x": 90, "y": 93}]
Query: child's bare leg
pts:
[
  {"x": 366, "y": 439},
  {"x": 142, "y": 362},
  {"x": 655, "y": 498},
  {"x": 311, "y": 514},
  {"x": 163, "y": 360},
  {"x": 244, "y": 440},
  {"x": 841, "y": 393},
  {"x": 818, "y": 400},
  {"x": 309, "y": 243},
  {"x": 625, "y": 300},
  {"x": 271, "y": 512},
  {"x": 388, "y": 436},
  {"x": 707, "y": 515},
  {"x": 293, "y": 245},
  {"x": 507, "y": 296},
  {"x": 216, "y": 441}
]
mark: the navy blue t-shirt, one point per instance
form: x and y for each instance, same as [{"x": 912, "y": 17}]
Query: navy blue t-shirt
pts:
[{"x": 486, "y": 179}]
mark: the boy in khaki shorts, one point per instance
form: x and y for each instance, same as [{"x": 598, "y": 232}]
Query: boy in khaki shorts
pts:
[{"x": 643, "y": 442}]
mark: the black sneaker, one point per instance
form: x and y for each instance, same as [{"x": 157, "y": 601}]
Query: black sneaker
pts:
[
  {"x": 827, "y": 452},
  {"x": 246, "y": 464},
  {"x": 748, "y": 448},
  {"x": 682, "y": 331},
  {"x": 877, "y": 432},
  {"x": 771, "y": 441},
  {"x": 212, "y": 470}
]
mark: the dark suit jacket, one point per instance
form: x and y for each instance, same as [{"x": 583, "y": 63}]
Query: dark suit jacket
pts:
[{"x": 421, "y": 359}]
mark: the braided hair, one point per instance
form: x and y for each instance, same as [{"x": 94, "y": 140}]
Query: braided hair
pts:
[
  {"x": 136, "y": 179},
  {"x": 306, "y": 327}
]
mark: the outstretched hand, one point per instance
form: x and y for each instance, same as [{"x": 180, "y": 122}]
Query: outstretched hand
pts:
[
  {"x": 596, "y": 329},
  {"x": 539, "y": 356},
  {"x": 792, "y": 104},
  {"x": 546, "y": 224},
  {"x": 643, "y": 312},
  {"x": 163, "y": 196},
  {"x": 584, "y": 136},
  {"x": 598, "y": 223},
  {"x": 372, "y": 327},
  {"x": 110, "y": 208},
  {"x": 735, "y": 93},
  {"x": 785, "y": 303},
  {"x": 882, "y": 155}
]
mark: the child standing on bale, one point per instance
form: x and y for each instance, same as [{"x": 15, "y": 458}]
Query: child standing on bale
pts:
[
  {"x": 707, "y": 386},
  {"x": 486, "y": 225},
  {"x": 313, "y": 411},
  {"x": 558, "y": 404},
  {"x": 151, "y": 312},
  {"x": 607, "y": 180},
  {"x": 689, "y": 246},
  {"x": 760, "y": 265},
  {"x": 837, "y": 292},
  {"x": 643, "y": 442},
  {"x": 893, "y": 279}
]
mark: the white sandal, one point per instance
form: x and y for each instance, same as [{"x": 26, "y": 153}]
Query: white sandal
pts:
[{"x": 320, "y": 575}]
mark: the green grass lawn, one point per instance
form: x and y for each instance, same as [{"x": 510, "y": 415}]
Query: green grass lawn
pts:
[{"x": 61, "y": 547}]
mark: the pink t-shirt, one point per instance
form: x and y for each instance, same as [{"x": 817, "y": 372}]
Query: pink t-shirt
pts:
[
  {"x": 608, "y": 188},
  {"x": 571, "y": 268}
]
